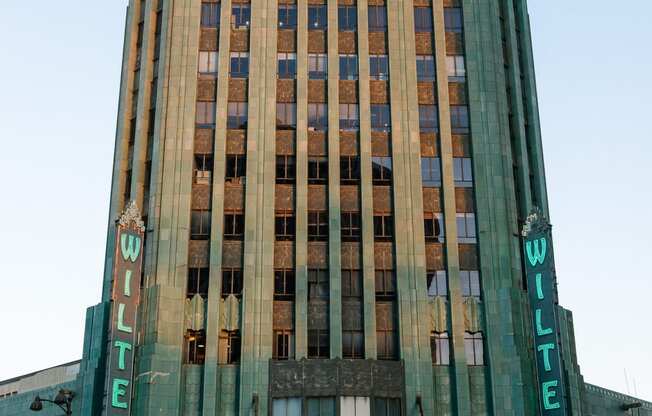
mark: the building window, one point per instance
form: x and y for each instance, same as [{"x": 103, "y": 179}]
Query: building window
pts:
[
  {"x": 197, "y": 282},
  {"x": 378, "y": 67},
  {"x": 470, "y": 283},
  {"x": 463, "y": 172},
  {"x": 377, "y": 18},
  {"x": 381, "y": 169},
  {"x": 347, "y": 18},
  {"x": 284, "y": 284},
  {"x": 317, "y": 17},
  {"x": 349, "y": 117},
  {"x": 233, "y": 226},
  {"x": 433, "y": 227},
  {"x": 286, "y": 116},
  {"x": 241, "y": 15},
  {"x": 200, "y": 224},
  {"x": 231, "y": 282},
  {"x": 283, "y": 345},
  {"x": 317, "y": 66},
  {"x": 318, "y": 345},
  {"x": 205, "y": 116},
  {"x": 349, "y": 169},
  {"x": 428, "y": 118},
  {"x": 203, "y": 169},
  {"x": 385, "y": 284},
  {"x": 317, "y": 117},
  {"x": 230, "y": 344},
  {"x": 210, "y": 15},
  {"x": 284, "y": 226},
  {"x": 320, "y": 406},
  {"x": 351, "y": 283},
  {"x": 195, "y": 347},
  {"x": 239, "y": 65},
  {"x": 285, "y": 169},
  {"x": 287, "y": 407},
  {"x": 350, "y": 226},
  {"x": 380, "y": 118},
  {"x": 236, "y": 116},
  {"x": 383, "y": 227},
  {"x": 208, "y": 62},
  {"x": 287, "y": 16},
  {"x": 348, "y": 66},
  {"x": 459, "y": 119},
  {"x": 236, "y": 167},
  {"x": 423, "y": 19},
  {"x": 440, "y": 348},
  {"x": 426, "y": 68},
  {"x": 386, "y": 340},
  {"x": 318, "y": 287},
  {"x": 466, "y": 228},
  {"x": 287, "y": 65},
  {"x": 352, "y": 344},
  {"x": 437, "y": 283},
  {"x": 430, "y": 171},
  {"x": 317, "y": 170},
  {"x": 387, "y": 407},
  {"x": 456, "y": 68},
  {"x": 317, "y": 226},
  {"x": 473, "y": 344},
  {"x": 453, "y": 19}
]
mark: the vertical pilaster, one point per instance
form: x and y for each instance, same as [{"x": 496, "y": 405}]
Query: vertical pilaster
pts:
[
  {"x": 335, "y": 218},
  {"x": 301, "y": 209},
  {"x": 459, "y": 365},
  {"x": 144, "y": 99},
  {"x": 257, "y": 305},
  {"x": 366, "y": 185},
  {"x": 161, "y": 351},
  {"x": 211, "y": 391},
  {"x": 408, "y": 208}
]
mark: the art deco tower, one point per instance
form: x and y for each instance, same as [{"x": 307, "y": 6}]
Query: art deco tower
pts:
[{"x": 333, "y": 194}]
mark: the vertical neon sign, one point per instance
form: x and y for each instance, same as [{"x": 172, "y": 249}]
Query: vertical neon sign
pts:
[
  {"x": 125, "y": 298},
  {"x": 541, "y": 281}
]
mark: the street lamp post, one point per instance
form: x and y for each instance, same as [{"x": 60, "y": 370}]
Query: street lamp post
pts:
[{"x": 63, "y": 399}]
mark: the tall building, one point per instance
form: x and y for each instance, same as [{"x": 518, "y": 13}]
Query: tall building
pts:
[{"x": 333, "y": 195}]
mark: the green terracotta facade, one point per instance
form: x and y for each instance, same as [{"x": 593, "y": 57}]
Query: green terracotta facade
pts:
[{"x": 216, "y": 352}]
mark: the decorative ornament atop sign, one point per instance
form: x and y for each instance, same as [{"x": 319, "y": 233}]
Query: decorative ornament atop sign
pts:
[
  {"x": 131, "y": 215},
  {"x": 535, "y": 222}
]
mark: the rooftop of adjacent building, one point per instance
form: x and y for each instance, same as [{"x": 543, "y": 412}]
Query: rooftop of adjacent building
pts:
[{"x": 59, "y": 374}]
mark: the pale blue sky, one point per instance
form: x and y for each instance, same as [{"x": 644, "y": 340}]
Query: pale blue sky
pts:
[{"x": 58, "y": 94}]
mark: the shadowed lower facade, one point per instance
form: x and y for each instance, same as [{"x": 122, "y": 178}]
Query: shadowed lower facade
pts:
[{"x": 333, "y": 195}]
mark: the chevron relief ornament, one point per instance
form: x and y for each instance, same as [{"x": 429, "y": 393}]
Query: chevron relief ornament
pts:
[
  {"x": 195, "y": 313},
  {"x": 230, "y": 316},
  {"x": 472, "y": 314},
  {"x": 438, "y": 313}
]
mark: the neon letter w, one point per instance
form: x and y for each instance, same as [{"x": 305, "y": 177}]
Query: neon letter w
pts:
[
  {"x": 131, "y": 250},
  {"x": 539, "y": 255}
]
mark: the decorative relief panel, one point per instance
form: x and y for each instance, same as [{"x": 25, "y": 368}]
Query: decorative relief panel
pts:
[
  {"x": 350, "y": 198},
  {"x": 286, "y": 91},
  {"x": 352, "y": 315},
  {"x": 423, "y": 43},
  {"x": 318, "y": 314},
  {"x": 377, "y": 42},
  {"x": 316, "y": 41},
  {"x": 464, "y": 200},
  {"x": 204, "y": 141},
  {"x": 384, "y": 255},
  {"x": 427, "y": 93},
  {"x": 201, "y": 196},
  {"x": 317, "y": 143},
  {"x": 313, "y": 378},
  {"x": 283, "y": 315},
  {"x": 454, "y": 43},
  {"x": 239, "y": 40},
  {"x": 317, "y": 255},
  {"x": 233, "y": 196},
  {"x": 347, "y": 41},
  {"x": 461, "y": 145},
  {"x": 238, "y": 90},
  {"x": 236, "y": 142},
  {"x": 287, "y": 40},
  {"x": 284, "y": 254},
  {"x": 317, "y": 198},
  {"x": 198, "y": 253},
  {"x": 284, "y": 197},
  {"x": 317, "y": 91},
  {"x": 351, "y": 256},
  {"x": 208, "y": 39},
  {"x": 457, "y": 93},
  {"x": 468, "y": 257},
  {"x": 348, "y": 92},
  {"x": 434, "y": 256},
  {"x": 230, "y": 313},
  {"x": 206, "y": 89},
  {"x": 382, "y": 199},
  {"x": 349, "y": 143},
  {"x": 232, "y": 254},
  {"x": 432, "y": 200},
  {"x": 380, "y": 145},
  {"x": 379, "y": 92},
  {"x": 429, "y": 147},
  {"x": 285, "y": 142}
]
